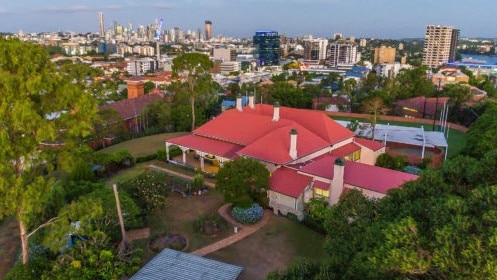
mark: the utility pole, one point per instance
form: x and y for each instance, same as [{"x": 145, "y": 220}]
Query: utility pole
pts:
[{"x": 121, "y": 221}]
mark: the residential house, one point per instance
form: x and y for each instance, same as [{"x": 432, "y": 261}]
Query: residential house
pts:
[{"x": 307, "y": 153}]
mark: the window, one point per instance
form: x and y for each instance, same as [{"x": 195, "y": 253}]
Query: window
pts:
[{"x": 320, "y": 192}]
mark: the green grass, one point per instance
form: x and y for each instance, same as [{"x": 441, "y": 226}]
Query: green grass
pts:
[
  {"x": 144, "y": 145},
  {"x": 456, "y": 139}
]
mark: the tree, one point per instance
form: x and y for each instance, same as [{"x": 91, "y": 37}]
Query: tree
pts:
[
  {"x": 39, "y": 108},
  {"x": 375, "y": 107},
  {"x": 194, "y": 69},
  {"x": 243, "y": 181},
  {"x": 481, "y": 134}
]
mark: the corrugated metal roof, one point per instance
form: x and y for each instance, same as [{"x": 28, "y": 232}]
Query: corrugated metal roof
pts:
[{"x": 175, "y": 265}]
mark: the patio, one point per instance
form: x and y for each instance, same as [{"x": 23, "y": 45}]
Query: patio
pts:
[{"x": 193, "y": 160}]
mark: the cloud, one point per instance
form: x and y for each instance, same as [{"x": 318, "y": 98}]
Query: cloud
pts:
[
  {"x": 161, "y": 6},
  {"x": 5, "y": 12},
  {"x": 67, "y": 10}
]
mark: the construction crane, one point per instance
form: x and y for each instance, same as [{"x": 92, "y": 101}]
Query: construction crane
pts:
[{"x": 158, "y": 34}]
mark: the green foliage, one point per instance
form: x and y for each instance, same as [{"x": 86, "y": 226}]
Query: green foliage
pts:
[
  {"x": 148, "y": 190},
  {"x": 391, "y": 162},
  {"x": 115, "y": 161},
  {"x": 210, "y": 224},
  {"x": 40, "y": 261},
  {"x": 94, "y": 258},
  {"x": 162, "y": 154},
  {"x": 33, "y": 89},
  {"x": 300, "y": 269},
  {"x": 75, "y": 189},
  {"x": 145, "y": 158},
  {"x": 316, "y": 212},
  {"x": 481, "y": 134},
  {"x": 198, "y": 182},
  {"x": 243, "y": 181}
]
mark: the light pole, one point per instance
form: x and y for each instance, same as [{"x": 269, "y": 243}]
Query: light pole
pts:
[{"x": 436, "y": 104}]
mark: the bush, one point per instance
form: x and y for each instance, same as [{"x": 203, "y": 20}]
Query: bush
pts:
[
  {"x": 161, "y": 154},
  {"x": 210, "y": 224},
  {"x": 174, "y": 151},
  {"x": 146, "y": 158},
  {"x": 249, "y": 215},
  {"x": 147, "y": 189}
]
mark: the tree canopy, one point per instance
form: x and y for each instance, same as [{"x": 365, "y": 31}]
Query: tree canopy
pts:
[{"x": 43, "y": 116}]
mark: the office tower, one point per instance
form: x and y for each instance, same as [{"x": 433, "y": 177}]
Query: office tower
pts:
[
  {"x": 101, "y": 24},
  {"x": 440, "y": 45},
  {"x": 342, "y": 54},
  {"x": 267, "y": 47},
  {"x": 384, "y": 54},
  {"x": 208, "y": 30},
  {"x": 315, "y": 49}
]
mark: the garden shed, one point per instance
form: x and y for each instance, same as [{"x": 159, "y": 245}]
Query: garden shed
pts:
[{"x": 175, "y": 265}]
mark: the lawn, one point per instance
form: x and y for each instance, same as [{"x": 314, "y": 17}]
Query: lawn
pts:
[
  {"x": 273, "y": 247},
  {"x": 144, "y": 145}
]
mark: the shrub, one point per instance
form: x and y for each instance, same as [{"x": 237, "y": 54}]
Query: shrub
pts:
[
  {"x": 161, "y": 154},
  {"x": 146, "y": 158},
  {"x": 147, "y": 189},
  {"x": 249, "y": 215},
  {"x": 210, "y": 224},
  {"x": 174, "y": 151}
]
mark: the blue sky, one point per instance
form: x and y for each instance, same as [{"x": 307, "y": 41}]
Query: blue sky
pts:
[{"x": 240, "y": 18}]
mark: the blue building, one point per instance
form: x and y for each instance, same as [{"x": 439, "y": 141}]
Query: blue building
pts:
[{"x": 267, "y": 47}]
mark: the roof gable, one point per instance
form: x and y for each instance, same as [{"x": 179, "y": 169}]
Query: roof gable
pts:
[
  {"x": 370, "y": 144},
  {"x": 288, "y": 182},
  {"x": 131, "y": 108}
]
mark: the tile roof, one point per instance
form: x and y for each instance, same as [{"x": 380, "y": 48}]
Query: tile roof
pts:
[
  {"x": 357, "y": 174},
  {"x": 208, "y": 145},
  {"x": 370, "y": 144},
  {"x": 321, "y": 185},
  {"x": 288, "y": 182},
  {"x": 345, "y": 150},
  {"x": 374, "y": 178},
  {"x": 131, "y": 108}
]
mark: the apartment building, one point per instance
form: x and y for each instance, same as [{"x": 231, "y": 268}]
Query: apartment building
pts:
[{"x": 440, "y": 45}]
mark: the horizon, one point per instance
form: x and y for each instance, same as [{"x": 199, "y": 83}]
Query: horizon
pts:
[{"x": 241, "y": 19}]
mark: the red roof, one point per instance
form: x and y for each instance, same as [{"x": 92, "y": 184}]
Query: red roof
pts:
[
  {"x": 360, "y": 175},
  {"x": 321, "y": 185},
  {"x": 374, "y": 178},
  {"x": 288, "y": 182},
  {"x": 370, "y": 144},
  {"x": 279, "y": 139},
  {"x": 255, "y": 129},
  {"x": 207, "y": 145},
  {"x": 131, "y": 108},
  {"x": 345, "y": 150}
]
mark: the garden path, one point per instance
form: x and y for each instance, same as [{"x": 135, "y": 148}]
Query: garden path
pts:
[{"x": 242, "y": 230}]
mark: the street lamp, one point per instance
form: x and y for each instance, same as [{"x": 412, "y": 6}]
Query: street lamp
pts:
[{"x": 436, "y": 103}]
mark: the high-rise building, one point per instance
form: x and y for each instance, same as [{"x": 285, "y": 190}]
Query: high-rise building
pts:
[
  {"x": 101, "y": 24},
  {"x": 342, "y": 53},
  {"x": 267, "y": 47},
  {"x": 384, "y": 54},
  {"x": 315, "y": 49},
  {"x": 440, "y": 45},
  {"x": 208, "y": 30}
]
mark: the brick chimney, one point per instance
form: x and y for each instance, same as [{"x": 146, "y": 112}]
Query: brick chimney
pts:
[
  {"x": 293, "y": 143},
  {"x": 337, "y": 182},
  {"x": 239, "y": 102},
  {"x": 135, "y": 88},
  {"x": 276, "y": 112}
]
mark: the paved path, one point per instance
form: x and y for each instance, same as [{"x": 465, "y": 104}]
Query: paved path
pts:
[{"x": 242, "y": 229}]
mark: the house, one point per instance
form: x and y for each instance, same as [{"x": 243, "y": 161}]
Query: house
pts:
[
  {"x": 130, "y": 110},
  {"x": 307, "y": 153}
]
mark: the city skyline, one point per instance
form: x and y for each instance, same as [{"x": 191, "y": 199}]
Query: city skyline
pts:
[{"x": 322, "y": 18}]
